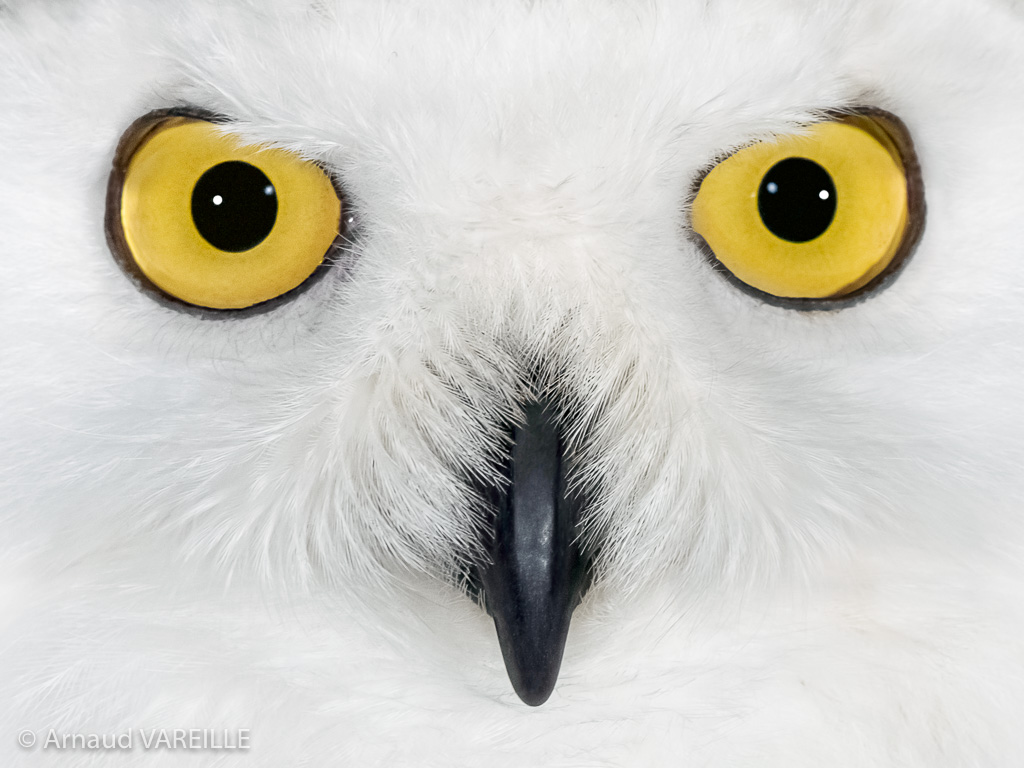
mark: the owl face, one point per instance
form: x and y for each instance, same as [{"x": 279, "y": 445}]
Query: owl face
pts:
[{"x": 518, "y": 189}]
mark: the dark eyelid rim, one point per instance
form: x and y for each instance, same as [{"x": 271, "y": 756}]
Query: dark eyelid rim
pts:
[
  {"x": 132, "y": 138},
  {"x": 898, "y": 134}
]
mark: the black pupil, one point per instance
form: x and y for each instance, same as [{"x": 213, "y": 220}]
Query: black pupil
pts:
[
  {"x": 797, "y": 200},
  {"x": 234, "y": 206}
]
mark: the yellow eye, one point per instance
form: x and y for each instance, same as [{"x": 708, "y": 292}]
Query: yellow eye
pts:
[
  {"x": 818, "y": 215},
  {"x": 212, "y": 222}
]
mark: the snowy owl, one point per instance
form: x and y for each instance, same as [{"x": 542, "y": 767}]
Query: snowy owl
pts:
[{"x": 512, "y": 383}]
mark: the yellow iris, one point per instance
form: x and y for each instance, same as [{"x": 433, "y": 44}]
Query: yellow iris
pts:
[
  {"x": 840, "y": 187},
  {"x": 216, "y": 223}
]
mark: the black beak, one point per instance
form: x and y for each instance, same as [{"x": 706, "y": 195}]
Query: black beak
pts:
[{"x": 537, "y": 574}]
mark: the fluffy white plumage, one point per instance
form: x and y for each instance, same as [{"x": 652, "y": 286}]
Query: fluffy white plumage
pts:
[{"x": 812, "y": 529}]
